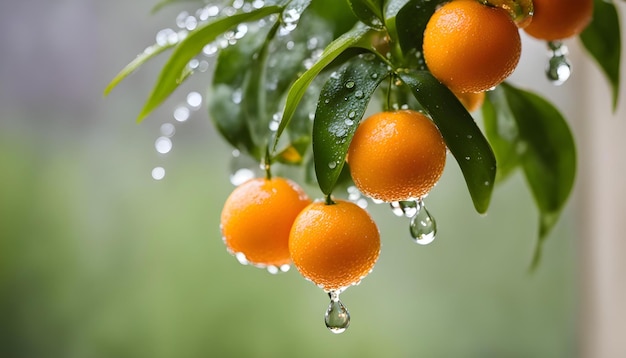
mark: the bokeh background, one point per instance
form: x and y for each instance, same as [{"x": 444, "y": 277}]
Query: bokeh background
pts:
[{"x": 98, "y": 259}]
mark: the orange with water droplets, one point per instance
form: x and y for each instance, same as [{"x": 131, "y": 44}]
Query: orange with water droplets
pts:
[
  {"x": 471, "y": 47},
  {"x": 334, "y": 245},
  {"x": 397, "y": 155},
  {"x": 559, "y": 19},
  {"x": 257, "y": 217}
]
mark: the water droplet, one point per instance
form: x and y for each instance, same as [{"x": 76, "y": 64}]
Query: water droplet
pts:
[
  {"x": 181, "y": 113},
  {"x": 350, "y": 84},
  {"x": 241, "y": 257},
  {"x": 194, "y": 99},
  {"x": 352, "y": 114},
  {"x": 163, "y": 36},
  {"x": 238, "y": 4},
  {"x": 423, "y": 227},
  {"x": 237, "y": 96},
  {"x": 358, "y": 94},
  {"x": 348, "y": 122},
  {"x": 168, "y": 129},
  {"x": 257, "y": 4},
  {"x": 312, "y": 43},
  {"x": 337, "y": 317},
  {"x": 209, "y": 50},
  {"x": 163, "y": 145},
  {"x": 374, "y": 75},
  {"x": 158, "y": 173},
  {"x": 332, "y": 165},
  {"x": 406, "y": 208},
  {"x": 559, "y": 68},
  {"x": 180, "y": 19},
  {"x": 242, "y": 168}
]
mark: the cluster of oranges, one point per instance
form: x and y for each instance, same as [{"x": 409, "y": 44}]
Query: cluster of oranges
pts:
[
  {"x": 393, "y": 156},
  {"x": 472, "y": 46}
]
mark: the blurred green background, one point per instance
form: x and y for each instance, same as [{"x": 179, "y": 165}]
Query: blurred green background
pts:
[{"x": 97, "y": 259}]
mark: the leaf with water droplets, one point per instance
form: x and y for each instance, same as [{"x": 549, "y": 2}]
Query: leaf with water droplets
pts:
[
  {"x": 461, "y": 134},
  {"x": 548, "y": 157},
  {"x": 368, "y": 11},
  {"x": 341, "y": 105},
  {"x": 357, "y": 37},
  {"x": 603, "y": 41},
  {"x": 170, "y": 77},
  {"x": 228, "y": 99}
]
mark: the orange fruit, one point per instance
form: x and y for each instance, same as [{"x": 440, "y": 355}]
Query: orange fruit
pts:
[
  {"x": 559, "y": 19},
  {"x": 257, "y": 217},
  {"x": 471, "y": 47},
  {"x": 396, "y": 155},
  {"x": 472, "y": 101},
  {"x": 334, "y": 245}
]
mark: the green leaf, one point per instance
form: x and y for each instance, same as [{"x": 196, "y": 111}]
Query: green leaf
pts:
[
  {"x": 142, "y": 58},
  {"x": 411, "y": 22},
  {"x": 341, "y": 105},
  {"x": 502, "y": 133},
  {"x": 170, "y": 77},
  {"x": 353, "y": 38},
  {"x": 461, "y": 134},
  {"x": 368, "y": 11},
  {"x": 547, "y": 154},
  {"x": 237, "y": 70},
  {"x": 603, "y": 41}
]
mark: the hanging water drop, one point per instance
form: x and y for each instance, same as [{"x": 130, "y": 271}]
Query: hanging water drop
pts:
[
  {"x": 559, "y": 68},
  {"x": 423, "y": 227},
  {"x": 406, "y": 208},
  {"x": 337, "y": 317}
]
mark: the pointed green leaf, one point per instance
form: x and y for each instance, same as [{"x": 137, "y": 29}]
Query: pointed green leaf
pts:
[
  {"x": 170, "y": 77},
  {"x": 461, "y": 134},
  {"x": 547, "y": 153},
  {"x": 602, "y": 38},
  {"x": 411, "y": 22},
  {"x": 341, "y": 105},
  {"x": 353, "y": 38},
  {"x": 368, "y": 11},
  {"x": 502, "y": 133},
  {"x": 142, "y": 58}
]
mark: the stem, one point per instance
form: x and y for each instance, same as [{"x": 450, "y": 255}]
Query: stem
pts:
[
  {"x": 267, "y": 163},
  {"x": 329, "y": 200}
]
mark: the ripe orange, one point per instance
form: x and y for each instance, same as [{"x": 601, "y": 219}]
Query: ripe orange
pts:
[
  {"x": 471, "y": 101},
  {"x": 471, "y": 47},
  {"x": 334, "y": 245},
  {"x": 559, "y": 19},
  {"x": 396, "y": 155},
  {"x": 257, "y": 217}
]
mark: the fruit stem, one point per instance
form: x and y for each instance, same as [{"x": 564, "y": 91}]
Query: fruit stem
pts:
[
  {"x": 329, "y": 200},
  {"x": 267, "y": 163}
]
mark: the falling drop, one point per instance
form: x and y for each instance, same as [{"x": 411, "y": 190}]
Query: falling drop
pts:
[
  {"x": 242, "y": 168},
  {"x": 423, "y": 227},
  {"x": 406, "y": 208},
  {"x": 337, "y": 317},
  {"x": 559, "y": 68},
  {"x": 158, "y": 173}
]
